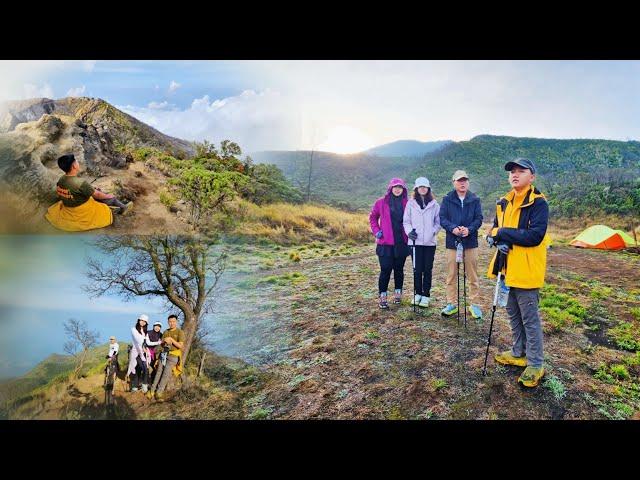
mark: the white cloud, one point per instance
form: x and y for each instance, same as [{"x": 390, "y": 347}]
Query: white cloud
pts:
[
  {"x": 173, "y": 86},
  {"x": 76, "y": 92},
  {"x": 158, "y": 105},
  {"x": 35, "y": 91},
  {"x": 157, "y": 87},
  {"x": 89, "y": 65},
  {"x": 254, "y": 120}
]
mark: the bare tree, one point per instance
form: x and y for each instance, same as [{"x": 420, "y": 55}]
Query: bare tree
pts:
[
  {"x": 81, "y": 339},
  {"x": 182, "y": 270}
]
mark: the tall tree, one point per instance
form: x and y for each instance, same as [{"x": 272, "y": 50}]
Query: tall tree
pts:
[
  {"x": 80, "y": 340},
  {"x": 182, "y": 270}
]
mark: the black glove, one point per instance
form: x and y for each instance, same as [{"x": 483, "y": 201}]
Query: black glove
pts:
[
  {"x": 504, "y": 248},
  {"x": 491, "y": 241},
  {"x": 413, "y": 235}
]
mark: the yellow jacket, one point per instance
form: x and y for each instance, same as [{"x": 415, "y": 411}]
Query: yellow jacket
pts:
[{"x": 523, "y": 228}]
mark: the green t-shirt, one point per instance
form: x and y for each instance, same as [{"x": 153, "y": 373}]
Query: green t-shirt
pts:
[
  {"x": 177, "y": 335},
  {"x": 73, "y": 191}
]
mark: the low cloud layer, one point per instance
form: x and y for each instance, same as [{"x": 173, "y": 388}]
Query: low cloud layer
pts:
[{"x": 254, "y": 120}]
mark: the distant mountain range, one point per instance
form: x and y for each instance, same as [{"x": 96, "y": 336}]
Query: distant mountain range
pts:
[
  {"x": 578, "y": 176},
  {"x": 407, "y": 148}
]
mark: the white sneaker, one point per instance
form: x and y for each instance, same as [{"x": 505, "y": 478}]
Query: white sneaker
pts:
[
  {"x": 134, "y": 389},
  {"x": 416, "y": 299},
  {"x": 145, "y": 387},
  {"x": 424, "y": 302}
]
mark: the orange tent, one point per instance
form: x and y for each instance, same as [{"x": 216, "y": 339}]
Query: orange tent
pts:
[{"x": 600, "y": 237}]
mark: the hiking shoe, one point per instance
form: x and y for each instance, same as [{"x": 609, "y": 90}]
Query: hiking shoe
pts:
[
  {"x": 507, "y": 358},
  {"x": 159, "y": 397},
  {"x": 134, "y": 389},
  {"x": 476, "y": 312},
  {"x": 449, "y": 310},
  {"x": 424, "y": 302},
  {"x": 145, "y": 387},
  {"x": 126, "y": 209},
  {"x": 416, "y": 299},
  {"x": 531, "y": 376},
  {"x": 397, "y": 296},
  {"x": 150, "y": 395},
  {"x": 383, "y": 301}
]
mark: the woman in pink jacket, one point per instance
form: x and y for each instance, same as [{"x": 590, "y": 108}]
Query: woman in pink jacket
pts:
[
  {"x": 391, "y": 240},
  {"x": 421, "y": 224}
]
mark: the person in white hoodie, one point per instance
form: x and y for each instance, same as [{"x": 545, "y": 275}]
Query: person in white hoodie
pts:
[
  {"x": 139, "y": 358},
  {"x": 421, "y": 223}
]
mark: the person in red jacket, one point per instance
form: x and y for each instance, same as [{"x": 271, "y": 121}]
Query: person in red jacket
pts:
[{"x": 391, "y": 240}]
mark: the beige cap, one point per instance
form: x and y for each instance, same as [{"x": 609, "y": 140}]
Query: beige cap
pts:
[{"x": 459, "y": 174}]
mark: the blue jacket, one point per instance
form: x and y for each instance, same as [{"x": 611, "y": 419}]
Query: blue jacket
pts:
[{"x": 453, "y": 215}]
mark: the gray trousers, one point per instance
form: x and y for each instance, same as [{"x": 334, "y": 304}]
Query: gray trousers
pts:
[
  {"x": 164, "y": 374},
  {"x": 526, "y": 327}
]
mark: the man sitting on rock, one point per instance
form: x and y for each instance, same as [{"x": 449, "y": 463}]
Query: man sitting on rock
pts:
[{"x": 81, "y": 206}]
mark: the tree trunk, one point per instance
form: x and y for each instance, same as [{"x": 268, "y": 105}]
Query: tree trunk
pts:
[
  {"x": 189, "y": 327},
  {"x": 204, "y": 355}
]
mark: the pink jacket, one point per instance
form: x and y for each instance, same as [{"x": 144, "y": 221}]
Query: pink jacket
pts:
[
  {"x": 426, "y": 222},
  {"x": 380, "y": 216}
]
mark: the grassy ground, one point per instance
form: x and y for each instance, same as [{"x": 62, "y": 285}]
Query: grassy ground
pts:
[{"x": 315, "y": 326}]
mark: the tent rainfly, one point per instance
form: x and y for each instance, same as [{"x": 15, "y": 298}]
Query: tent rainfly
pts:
[{"x": 603, "y": 238}]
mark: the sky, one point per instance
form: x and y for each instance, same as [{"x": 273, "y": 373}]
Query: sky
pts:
[{"x": 349, "y": 106}]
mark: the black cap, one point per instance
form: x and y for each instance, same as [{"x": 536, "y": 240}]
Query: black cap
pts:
[
  {"x": 521, "y": 162},
  {"x": 65, "y": 162}
]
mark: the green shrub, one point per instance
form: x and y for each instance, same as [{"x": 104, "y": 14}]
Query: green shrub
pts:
[
  {"x": 439, "y": 384},
  {"x": 626, "y": 336},
  {"x": 166, "y": 198},
  {"x": 620, "y": 371},
  {"x": 555, "y": 385}
]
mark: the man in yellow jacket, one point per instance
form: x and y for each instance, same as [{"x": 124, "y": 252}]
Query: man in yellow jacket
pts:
[{"x": 519, "y": 229}]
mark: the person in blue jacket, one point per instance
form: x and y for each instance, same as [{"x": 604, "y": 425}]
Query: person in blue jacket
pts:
[{"x": 461, "y": 218}]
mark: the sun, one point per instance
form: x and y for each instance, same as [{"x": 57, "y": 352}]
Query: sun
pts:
[{"x": 344, "y": 139}]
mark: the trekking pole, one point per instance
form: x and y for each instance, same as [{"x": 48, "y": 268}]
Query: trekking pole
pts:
[
  {"x": 464, "y": 288},
  {"x": 413, "y": 257},
  {"x": 459, "y": 258},
  {"x": 458, "y": 278},
  {"x": 493, "y": 310}
]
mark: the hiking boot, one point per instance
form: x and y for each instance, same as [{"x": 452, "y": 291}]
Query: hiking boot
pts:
[
  {"x": 424, "y": 302},
  {"x": 475, "y": 312},
  {"x": 397, "y": 296},
  {"x": 449, "y": 310},
  {"x": 159, "y": 397},
  {"x": 531, "y": 376},
  {"x": 126, "y": 209},
  {"x": 416, "y": 299},
  {"x": 150, "y": 395},
  {"x": 507, "y": 358},
  {"x": 383, "y": 301}
]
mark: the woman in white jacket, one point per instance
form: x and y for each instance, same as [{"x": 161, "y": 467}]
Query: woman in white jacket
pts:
[
  {"x": 421, "y": 223},
  {"x": 139, "y": 357}
]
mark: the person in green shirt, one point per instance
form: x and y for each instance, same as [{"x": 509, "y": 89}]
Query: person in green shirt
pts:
[
  {"x": 74, "y": 191},
  {"x": 81, "y": 207},
  {"x": 170, "y": 362}
]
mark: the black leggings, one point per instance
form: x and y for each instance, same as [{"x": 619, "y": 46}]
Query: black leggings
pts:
[
  {"x": 141, "y": 375},
  {"x": 424, "y": 269},
  {"x": 387, "y": 265}
]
